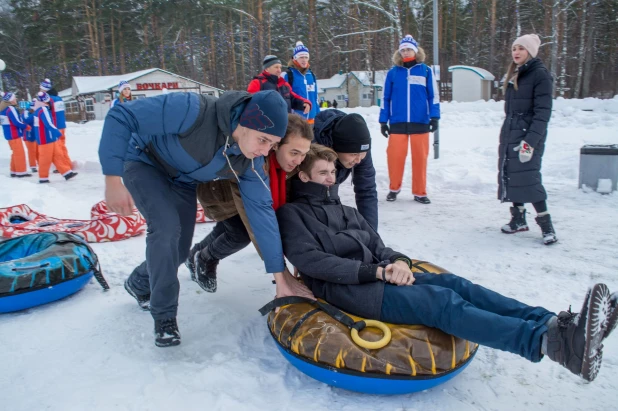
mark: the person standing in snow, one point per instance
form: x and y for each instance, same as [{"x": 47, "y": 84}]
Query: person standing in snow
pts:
[
  {"x": 14, "y": 128},
  {"x": 303, "y": 81},
  {"x": 528, "y": 102},
  {"x": 30, "y": 138},
  {"x": 335, "y": 104},
  {"x": 157, "y": 150},
  {"x": 56, "y": 109},
  {"x": 48, "y": 136},
  {"x": 410, "y": 111},
  {"x": 124, "y": 94},
  {"x": 270, "y": 79}
]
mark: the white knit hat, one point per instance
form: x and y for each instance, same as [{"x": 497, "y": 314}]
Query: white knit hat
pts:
[{"x": 530, "y": 42}]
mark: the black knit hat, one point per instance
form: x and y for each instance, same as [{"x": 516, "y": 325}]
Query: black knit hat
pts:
[
  {"x": 269, "y": 61},
  {"x": 351, "y": 135}
]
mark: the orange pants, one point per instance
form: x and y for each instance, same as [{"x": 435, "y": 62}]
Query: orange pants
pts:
[
  {"x": 18, "y": 157},
  {"x": 64, "y": 153},
  {"x": 48, "y": 154},
  {"x": 397, "y": 152},
  {"x": 33, "y": 153}
]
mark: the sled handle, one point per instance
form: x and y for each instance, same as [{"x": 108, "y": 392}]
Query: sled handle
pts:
[{"x": 372, "y": 345}]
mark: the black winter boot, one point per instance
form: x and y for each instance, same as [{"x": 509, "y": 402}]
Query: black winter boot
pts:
[
  {"x": 189, "y": 262},
  {"x": 549, "y": 235},
  {"x": 70, "y": 175},
  {"x": 574, "y": 340},
  {"x": 422, "y": 200},
  {"x": 142, "y": 300},
  {"x": 392, "y": 196},
  {"x": 166, "y": 333},
  {"x": 205, "y": 273},
  {"x": 517, "y": 223}
]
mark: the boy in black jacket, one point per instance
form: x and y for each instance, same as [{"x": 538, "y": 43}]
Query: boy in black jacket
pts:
[{"x": 343, "y": 260}]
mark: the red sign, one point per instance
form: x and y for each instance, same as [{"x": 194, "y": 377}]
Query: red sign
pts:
[{"x": 156, "y": 86}]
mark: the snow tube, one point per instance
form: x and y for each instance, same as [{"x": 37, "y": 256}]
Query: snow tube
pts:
[
  {"x": 415, "y": 359},
  {"x": 103, "y": 226},
  {"x": 40, "y": 268}
]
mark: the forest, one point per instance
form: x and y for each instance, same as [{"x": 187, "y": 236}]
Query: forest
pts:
[{"x": 222, "y": 42}]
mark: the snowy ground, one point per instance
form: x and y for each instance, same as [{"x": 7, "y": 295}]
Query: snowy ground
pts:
[{"x": 95, "y": 350}]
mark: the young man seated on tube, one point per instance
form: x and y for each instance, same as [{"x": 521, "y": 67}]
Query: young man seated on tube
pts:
[{"x": 344, "y": 261}]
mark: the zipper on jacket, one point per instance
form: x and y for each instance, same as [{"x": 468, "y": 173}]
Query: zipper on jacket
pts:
[{"x": 408, "y": 84}]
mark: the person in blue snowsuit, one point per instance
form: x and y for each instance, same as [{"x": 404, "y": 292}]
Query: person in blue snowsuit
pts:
[
  {"x": 349, "y": 136},
  {"x": 156, "y": 150},
  {"x": 303, "y": 81}
]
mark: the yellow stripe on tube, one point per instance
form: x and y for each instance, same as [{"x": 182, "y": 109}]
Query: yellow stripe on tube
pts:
[{"x": 433, "y": 359}]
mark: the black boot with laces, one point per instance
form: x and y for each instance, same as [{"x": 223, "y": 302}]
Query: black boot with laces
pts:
[
  {"x": 166, "y": 333},
  {"x": 574, "y": 340},
  {"x": 517, "y": 223}
]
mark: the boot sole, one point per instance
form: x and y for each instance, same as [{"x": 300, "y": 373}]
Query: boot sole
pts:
[
  {"x": 164, "y": 344},
  {"x": 613, "y": 315},
  {"x": 598, "y": 307},
  {"x": 132, "y": 294},
  {"x": 521, "y": 230}
]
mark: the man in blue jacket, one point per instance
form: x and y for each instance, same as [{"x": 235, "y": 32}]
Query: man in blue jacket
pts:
[
  {"x": 161, "y": 148},
  {"x": 349, "y": 136}
]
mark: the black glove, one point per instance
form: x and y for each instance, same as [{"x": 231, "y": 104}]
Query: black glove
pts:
[
  {"x": 385, "y": 130},
  {"x": 433, "y": 125}
]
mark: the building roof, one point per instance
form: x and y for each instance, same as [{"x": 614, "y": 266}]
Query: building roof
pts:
[
  {"x": 67, "y": 92},
  {"x": 335, "y": 81},
  {"x": 484, "y": 74},
  {"x": 94, "y": 84}
]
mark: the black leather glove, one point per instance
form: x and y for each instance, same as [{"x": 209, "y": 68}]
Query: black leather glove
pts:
[
  {"x": 433, "y": 125},
  {"x": 385, "y": 130}
]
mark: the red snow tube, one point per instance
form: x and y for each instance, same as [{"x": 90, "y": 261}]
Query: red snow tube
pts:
[{"x": 103, "y": 226}]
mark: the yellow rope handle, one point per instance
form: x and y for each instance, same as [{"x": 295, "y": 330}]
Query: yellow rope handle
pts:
[{"x": 373, "y": 345}]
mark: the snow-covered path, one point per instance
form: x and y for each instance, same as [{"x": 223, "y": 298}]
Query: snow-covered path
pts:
[{"x": 95, "y": 350}]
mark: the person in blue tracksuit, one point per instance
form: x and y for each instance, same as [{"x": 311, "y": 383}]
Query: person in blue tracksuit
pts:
[
  {"x": 155, "y": 151},
  {"x": 30, "y": 137},
  {"x": 349, "y": 136},
  {"x": 302, "y": 80},
  {"x": 410, "y": 111}
]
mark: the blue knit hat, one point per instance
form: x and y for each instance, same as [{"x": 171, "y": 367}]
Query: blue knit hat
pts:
[
  {"x": 46, "y": 84},
  {"x": 42, "y": 96},
  {"x": 8, "y": 96},
  {"x": 300, "y": 50},
  {"x": 122, "y": 85},
  {"x": 408, "y": 42},
  {"x": 267, "y": 112}
]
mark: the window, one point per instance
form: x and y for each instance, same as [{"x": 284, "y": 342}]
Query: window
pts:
[
  {"x": 72, "y": 107},
  {"x": 341, "y": 97},
  {"x": 89, "y": 105},
  {"x": 137, "y": 96},
  {"x": 366, "y": 96}
]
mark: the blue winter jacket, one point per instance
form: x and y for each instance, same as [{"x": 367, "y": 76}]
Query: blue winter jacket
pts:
[
  {"x": 306, "y": 86},
  {"x": 12, "y": 124},
  {"x": 363, "y": 174},
  {"x": 409, "y": 109},
  {"x": 184, "y": 134},
  {"x": 57, "y": 109},
  {"x": 45, "y": 130},
  {"x": 29, "y": 120}
]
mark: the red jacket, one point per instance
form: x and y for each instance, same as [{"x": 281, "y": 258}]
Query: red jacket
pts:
[{"x": 267, "y": 81}]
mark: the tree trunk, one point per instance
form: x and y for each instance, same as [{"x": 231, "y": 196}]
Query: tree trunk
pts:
[
  {"x": 123, "y": 67},
  {"x": 589, "y": 51},
  {"x": 102, "y": 45},
  {"x": 582, "y": 43},
  {"x": 492, "y": 37},
  {"x": 115, "y": 63},
  {"x": 554, "y": 45}
]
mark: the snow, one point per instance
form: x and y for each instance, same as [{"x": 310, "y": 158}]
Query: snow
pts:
[{"x": 95, "y": 350}]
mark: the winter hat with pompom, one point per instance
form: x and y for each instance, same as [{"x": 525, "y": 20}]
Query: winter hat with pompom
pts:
[
  {"x": 300, "y": 50},
  {"x": 46, "y": 84},
  {"x": 8, "y": 97},
  {"x": 408, "y": 42},
  {"x": 530, "y": 42},
  {"x": 122, "y": 85},
  {"x": 43, "y": 97}
]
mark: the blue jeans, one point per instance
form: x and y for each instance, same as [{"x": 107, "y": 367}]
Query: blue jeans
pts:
[
  {"x": 170, "y": 211},
  {"x": 469, "y": 311}
]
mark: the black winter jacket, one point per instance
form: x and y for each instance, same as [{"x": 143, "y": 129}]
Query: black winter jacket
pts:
[
  {"x": 528, "y": 110},
  {"x": 363, "y": 174},
  {"x": 335, "y": 250}
]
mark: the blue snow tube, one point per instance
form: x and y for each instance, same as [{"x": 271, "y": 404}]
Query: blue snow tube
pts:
[{"x": 40, "y": 268}]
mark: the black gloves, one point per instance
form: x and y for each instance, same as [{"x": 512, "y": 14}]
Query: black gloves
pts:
[
  {"x": 433, "y": 125},
  {"x": 385, "y": 130}
]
